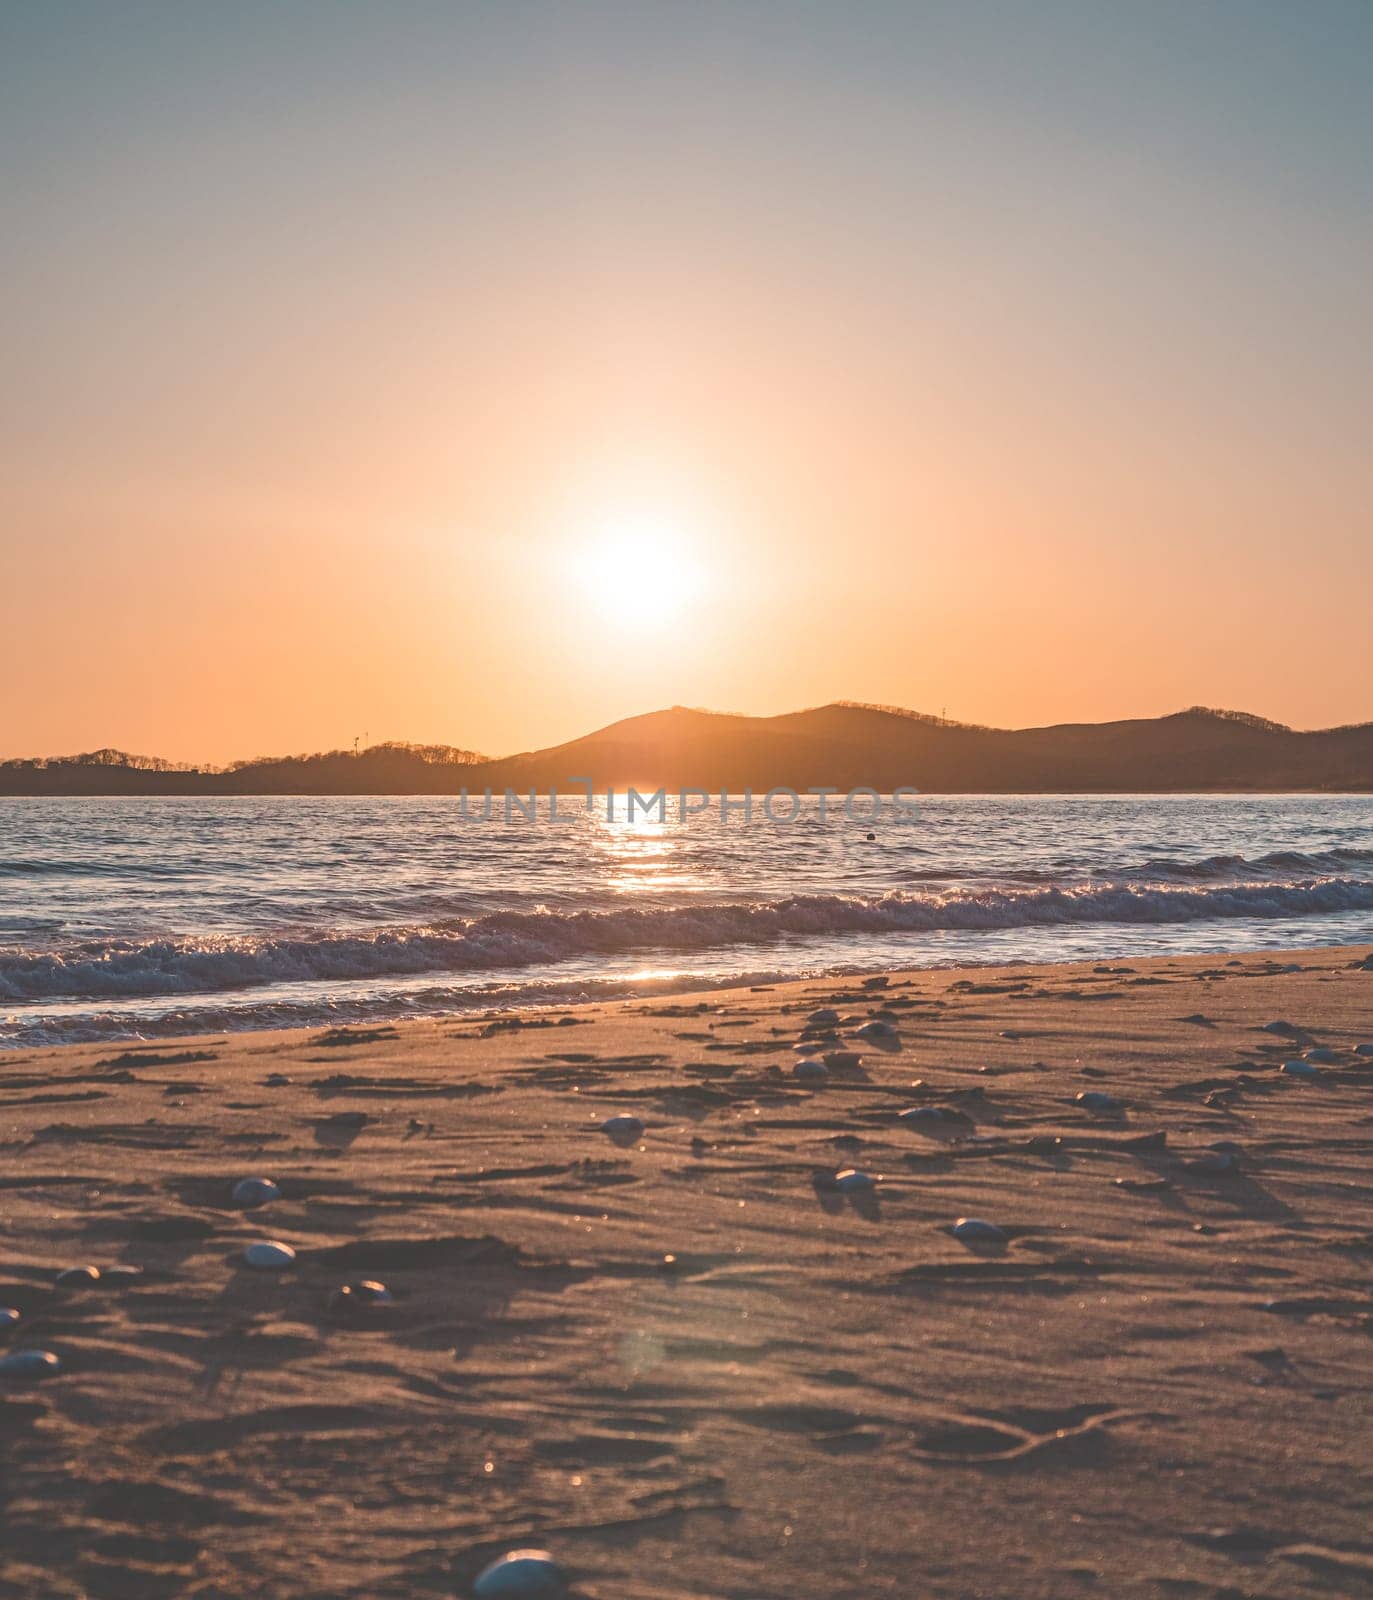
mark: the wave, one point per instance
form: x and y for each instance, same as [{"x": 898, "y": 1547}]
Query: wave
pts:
[
  {"x": 216, "y": 1015},
  {"x": 123, "y": 968},
  {"x": 1237, "y": 868},
  {"x": 1336, "y": 859}
]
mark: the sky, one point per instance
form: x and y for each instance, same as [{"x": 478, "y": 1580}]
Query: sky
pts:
[{"x": 484, "y": 373}]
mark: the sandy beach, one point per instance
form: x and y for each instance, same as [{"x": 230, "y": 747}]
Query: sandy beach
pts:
[{"x": 682, "y": 1357}]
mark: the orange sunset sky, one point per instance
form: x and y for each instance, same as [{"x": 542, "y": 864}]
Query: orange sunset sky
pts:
[{"x": 483, "y": 373}]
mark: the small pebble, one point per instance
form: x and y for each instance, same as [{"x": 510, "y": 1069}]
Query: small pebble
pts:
[
  {"x": 1097, "y": 1100},
  {"x": 1299, "y": 1069},
  {"x": 1363, "y": 1049},
  {"x": 269, "y": 1254},
  {"x": 29, "y": 1365},
  {"x": 1215, "y": 1163},
  {"x": 77, "y": 1278},
  {"x": 623, "y": 1127},
  {"x": 879, "y": 982},
  {"x": 825, "y": 1017},
  {"x": 810, "y": 1069},
  {"x": 362, "y": 1297},
  {"x": 249, "y": 1193},
  {"x": 931, "y": 1114},
  {"x": 837, "y": 1059},
  {"x": 121, "y": 1275},
  {"x": 973, "y": 1230},
  {"x": 8, "y": 1317},
  {"x": 851, "y": 1181},
  {"x": 1323, "y": 1054},
  {"x": 521, "y": 1575},
  {"x": 876, "y": 1031}
]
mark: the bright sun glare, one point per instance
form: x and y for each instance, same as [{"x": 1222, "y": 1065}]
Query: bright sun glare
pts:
[{"x": 640, "y": 571}]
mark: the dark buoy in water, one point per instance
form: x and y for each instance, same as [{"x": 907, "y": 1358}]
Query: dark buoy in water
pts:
[
  {"x": 521, "y": 1575},
  {"x": 77, "y": 1278}
]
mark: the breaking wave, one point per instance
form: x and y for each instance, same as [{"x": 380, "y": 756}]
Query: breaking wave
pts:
[{"x": 112, "y": 969}]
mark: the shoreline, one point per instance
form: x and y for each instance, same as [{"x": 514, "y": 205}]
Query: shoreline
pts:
[
  {"x": 677, "y": 1353},
  {"x": 371, "y": 1012}
]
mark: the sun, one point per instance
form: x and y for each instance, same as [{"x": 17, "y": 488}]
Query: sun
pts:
[{"x": 639, "y": 571}]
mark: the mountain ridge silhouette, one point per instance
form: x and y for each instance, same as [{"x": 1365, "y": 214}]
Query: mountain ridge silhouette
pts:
[{"x": 844, "y": 745}]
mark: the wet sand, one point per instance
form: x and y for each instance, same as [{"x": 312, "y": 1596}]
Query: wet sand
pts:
[{"x": 686, "y": 1362}]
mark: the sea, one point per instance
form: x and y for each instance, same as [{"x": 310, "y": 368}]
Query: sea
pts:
[{"x": 148, "y": 918}]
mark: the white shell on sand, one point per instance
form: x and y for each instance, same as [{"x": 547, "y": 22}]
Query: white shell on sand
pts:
[
  {"x": 8, "y": 1316},
  {"x": 521, "y": 1575},
  {"x": 623, "y": 1127},
  {"x": 252, "y": 1192},
  {"x": 78, "y": 1278},
  {"x": 29, "y": 1364},
  {"x": 1097, "y": 1100},
  {"x": 851, "y": 1180},
  {"x": 825, "y": 1017},
  {"x": 810, "y": 1069},
  {"x": 269, "y": 1254},
  {"x": 1299, "y": 1069},
  {"x": 973, "y": 1230}
]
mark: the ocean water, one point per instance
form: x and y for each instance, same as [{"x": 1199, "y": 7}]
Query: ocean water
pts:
[{"x": 148, "y": 918}]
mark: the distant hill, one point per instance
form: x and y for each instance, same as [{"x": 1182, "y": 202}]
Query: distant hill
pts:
[{"x": 842, "y": 746}]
